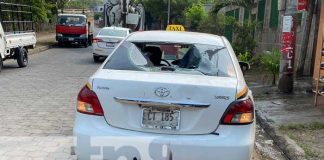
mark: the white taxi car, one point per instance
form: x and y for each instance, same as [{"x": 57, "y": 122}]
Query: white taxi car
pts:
[
  {"x": 167, "y": 95},
  {"x": 106, "y": 40}
]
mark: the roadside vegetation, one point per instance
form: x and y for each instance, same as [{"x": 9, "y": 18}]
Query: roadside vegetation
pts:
[{"x": 308, "y": 136}]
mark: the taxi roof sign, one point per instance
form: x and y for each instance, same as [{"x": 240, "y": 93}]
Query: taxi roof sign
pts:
[{"x": 175, "y": 28}]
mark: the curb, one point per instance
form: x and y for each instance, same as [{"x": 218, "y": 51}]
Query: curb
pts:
[
  {"x": 40, "y": 49},
  {"x": 287, "y": 145}
]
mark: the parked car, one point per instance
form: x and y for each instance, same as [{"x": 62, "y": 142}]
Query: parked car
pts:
[
  {"x": 106, "y": 40},
  {"x": 141, "y": 106}
]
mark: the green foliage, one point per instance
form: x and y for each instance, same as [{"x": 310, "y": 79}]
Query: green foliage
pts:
[
  {"x": 42, "y": 9},
  {"x": 245, "y": 57},
  {"x": 195, "y": 15},
  {"x": 271, "y": 61},
  {"x": 97, "y": 16},
  {"x": 82, "y": 4},
  {"x": 311, "y": 126},
  {"x": 157, "y": 10},
  {"x": 214, "y": 24},
  {"x": 218, "y": 5},
  {"x": 244, "y": 40}
]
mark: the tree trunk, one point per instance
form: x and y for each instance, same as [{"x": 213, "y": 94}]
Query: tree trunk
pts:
[
  {"x": 304, "y": 44},
  {"x": 273, "y": 79}
]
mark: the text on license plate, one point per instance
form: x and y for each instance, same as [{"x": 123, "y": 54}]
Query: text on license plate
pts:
[
  {"x": 160, "y": 119},
  {"x": 110, "y": 45}
]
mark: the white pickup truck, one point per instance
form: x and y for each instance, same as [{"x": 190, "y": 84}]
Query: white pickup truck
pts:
[{"x": 16, "y": 36}]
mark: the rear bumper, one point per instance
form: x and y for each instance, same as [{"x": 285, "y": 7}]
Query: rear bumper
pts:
[
  {"x": 72, "y": 39},
  {"x": 104, "y": 52},
  {"x": 95, "y": 137}
]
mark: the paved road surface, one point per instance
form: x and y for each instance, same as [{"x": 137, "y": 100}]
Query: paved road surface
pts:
[{"x": 38, "y": 103}]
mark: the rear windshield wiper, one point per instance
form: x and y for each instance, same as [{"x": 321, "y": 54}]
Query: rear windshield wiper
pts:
[{"x": 167, "y": 68}]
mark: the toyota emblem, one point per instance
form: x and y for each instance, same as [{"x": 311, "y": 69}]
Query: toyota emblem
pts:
[{"x": 162, "y": 92}]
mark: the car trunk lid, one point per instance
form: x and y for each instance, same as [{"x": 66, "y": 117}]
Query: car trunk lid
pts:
[
  {"x": 108, "y": 41},
  {"x": 198, "y": 102}
]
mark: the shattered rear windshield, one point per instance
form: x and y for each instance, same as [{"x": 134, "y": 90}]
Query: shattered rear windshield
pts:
[{"x": 197, "y": 59}]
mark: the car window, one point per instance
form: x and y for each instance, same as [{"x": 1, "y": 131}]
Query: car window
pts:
[
  {"x": 199, "y": 59},
  {"x": 113, "y": 32}
]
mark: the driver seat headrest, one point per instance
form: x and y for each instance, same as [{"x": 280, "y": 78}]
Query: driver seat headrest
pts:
[{"x": 155, "y": 54}]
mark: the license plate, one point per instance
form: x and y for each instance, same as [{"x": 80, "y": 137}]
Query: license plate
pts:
[
  {"x": 110, "y": 45},
  {"x": 71, "y": 39},
  {"x": 161, "y": 119}
]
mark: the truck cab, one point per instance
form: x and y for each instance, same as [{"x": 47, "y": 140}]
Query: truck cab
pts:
[{"x": 73, "y": 28}]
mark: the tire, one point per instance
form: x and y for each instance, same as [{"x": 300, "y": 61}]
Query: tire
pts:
[
  {"x": 86, "y": 44},
  {"x": 96, "y": 58},
  {"x": 1, "y": 63},
  {"x": 60, "y": 44},
  {"x": 22, "y": 57},
  {"x": 90, "y": 40}
]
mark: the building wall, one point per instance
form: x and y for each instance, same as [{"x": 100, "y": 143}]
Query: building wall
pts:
[{"x": 269, "y": 35}]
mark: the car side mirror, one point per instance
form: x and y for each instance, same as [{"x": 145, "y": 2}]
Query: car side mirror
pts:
[{"x": 244, "y": 66}]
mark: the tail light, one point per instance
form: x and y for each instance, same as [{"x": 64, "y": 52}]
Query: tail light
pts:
[
  {"x": 88, "y": 102},
  {"x": 239, "y": 112},
  {"x": 96, "y": 40}
]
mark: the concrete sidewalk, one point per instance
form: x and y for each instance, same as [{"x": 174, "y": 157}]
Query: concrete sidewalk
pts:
[
  {"x": 296, "y": 126},
  {"x": 45, "y": 40}
]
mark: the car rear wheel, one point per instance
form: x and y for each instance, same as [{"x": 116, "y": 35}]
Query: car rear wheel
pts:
[
  {"x": 96, "y": 58},
  {"x": 22, "y": 57}
]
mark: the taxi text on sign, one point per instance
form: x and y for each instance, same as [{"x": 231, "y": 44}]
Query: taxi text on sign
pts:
[{"x": 175, "y": 28}]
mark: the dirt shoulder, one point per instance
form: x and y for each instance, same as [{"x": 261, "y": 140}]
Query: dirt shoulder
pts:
[{"x": 292, "y": 120}]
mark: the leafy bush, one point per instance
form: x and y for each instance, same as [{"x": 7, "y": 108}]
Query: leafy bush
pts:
[
  {"x": 195, "y": 15},
  {"x": 244, "y": 40},
  {"x": 245, "y": 57},
  {"x": 271, "y": 61}
]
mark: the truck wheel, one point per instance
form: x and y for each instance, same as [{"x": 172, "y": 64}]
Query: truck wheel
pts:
[
  {"x": 86, "y": 44},
  {"x": 1, "y": 63},
  {"x": 90, "y": 40},
  {"x": 96, "y": 58},
  {"x": 60, "y": 44},
  {"x": 22, "y": 57}
]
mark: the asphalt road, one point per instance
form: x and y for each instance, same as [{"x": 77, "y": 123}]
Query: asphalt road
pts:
[{"x": 38, "y": 103}]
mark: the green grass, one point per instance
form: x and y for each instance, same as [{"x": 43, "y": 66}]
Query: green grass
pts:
[
  {"x": 309, "y": 152},
  {"x": 311, "y": 126},
  {"x": 292, "y": 131}
]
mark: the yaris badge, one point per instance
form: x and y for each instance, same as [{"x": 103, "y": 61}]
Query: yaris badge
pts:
[{"x": 162, "y": 92}]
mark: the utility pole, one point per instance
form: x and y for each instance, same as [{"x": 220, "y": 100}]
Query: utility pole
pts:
[
  {"x": 169, "y": 9},
  {"x": 288, "y": 47},
  {"x": 124, "y": 13}
]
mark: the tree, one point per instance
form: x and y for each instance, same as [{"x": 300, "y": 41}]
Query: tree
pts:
[
  {"x": 195, "y": 15},
  {"x": 157, "y": 10},
  {"x": 244, "y": 40},
  {"x": 248, "y": 4},
  {"x": 61, "y": 4},
  {"x": 214, "y": 23},
  {"x": 83, "y": 4}
]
